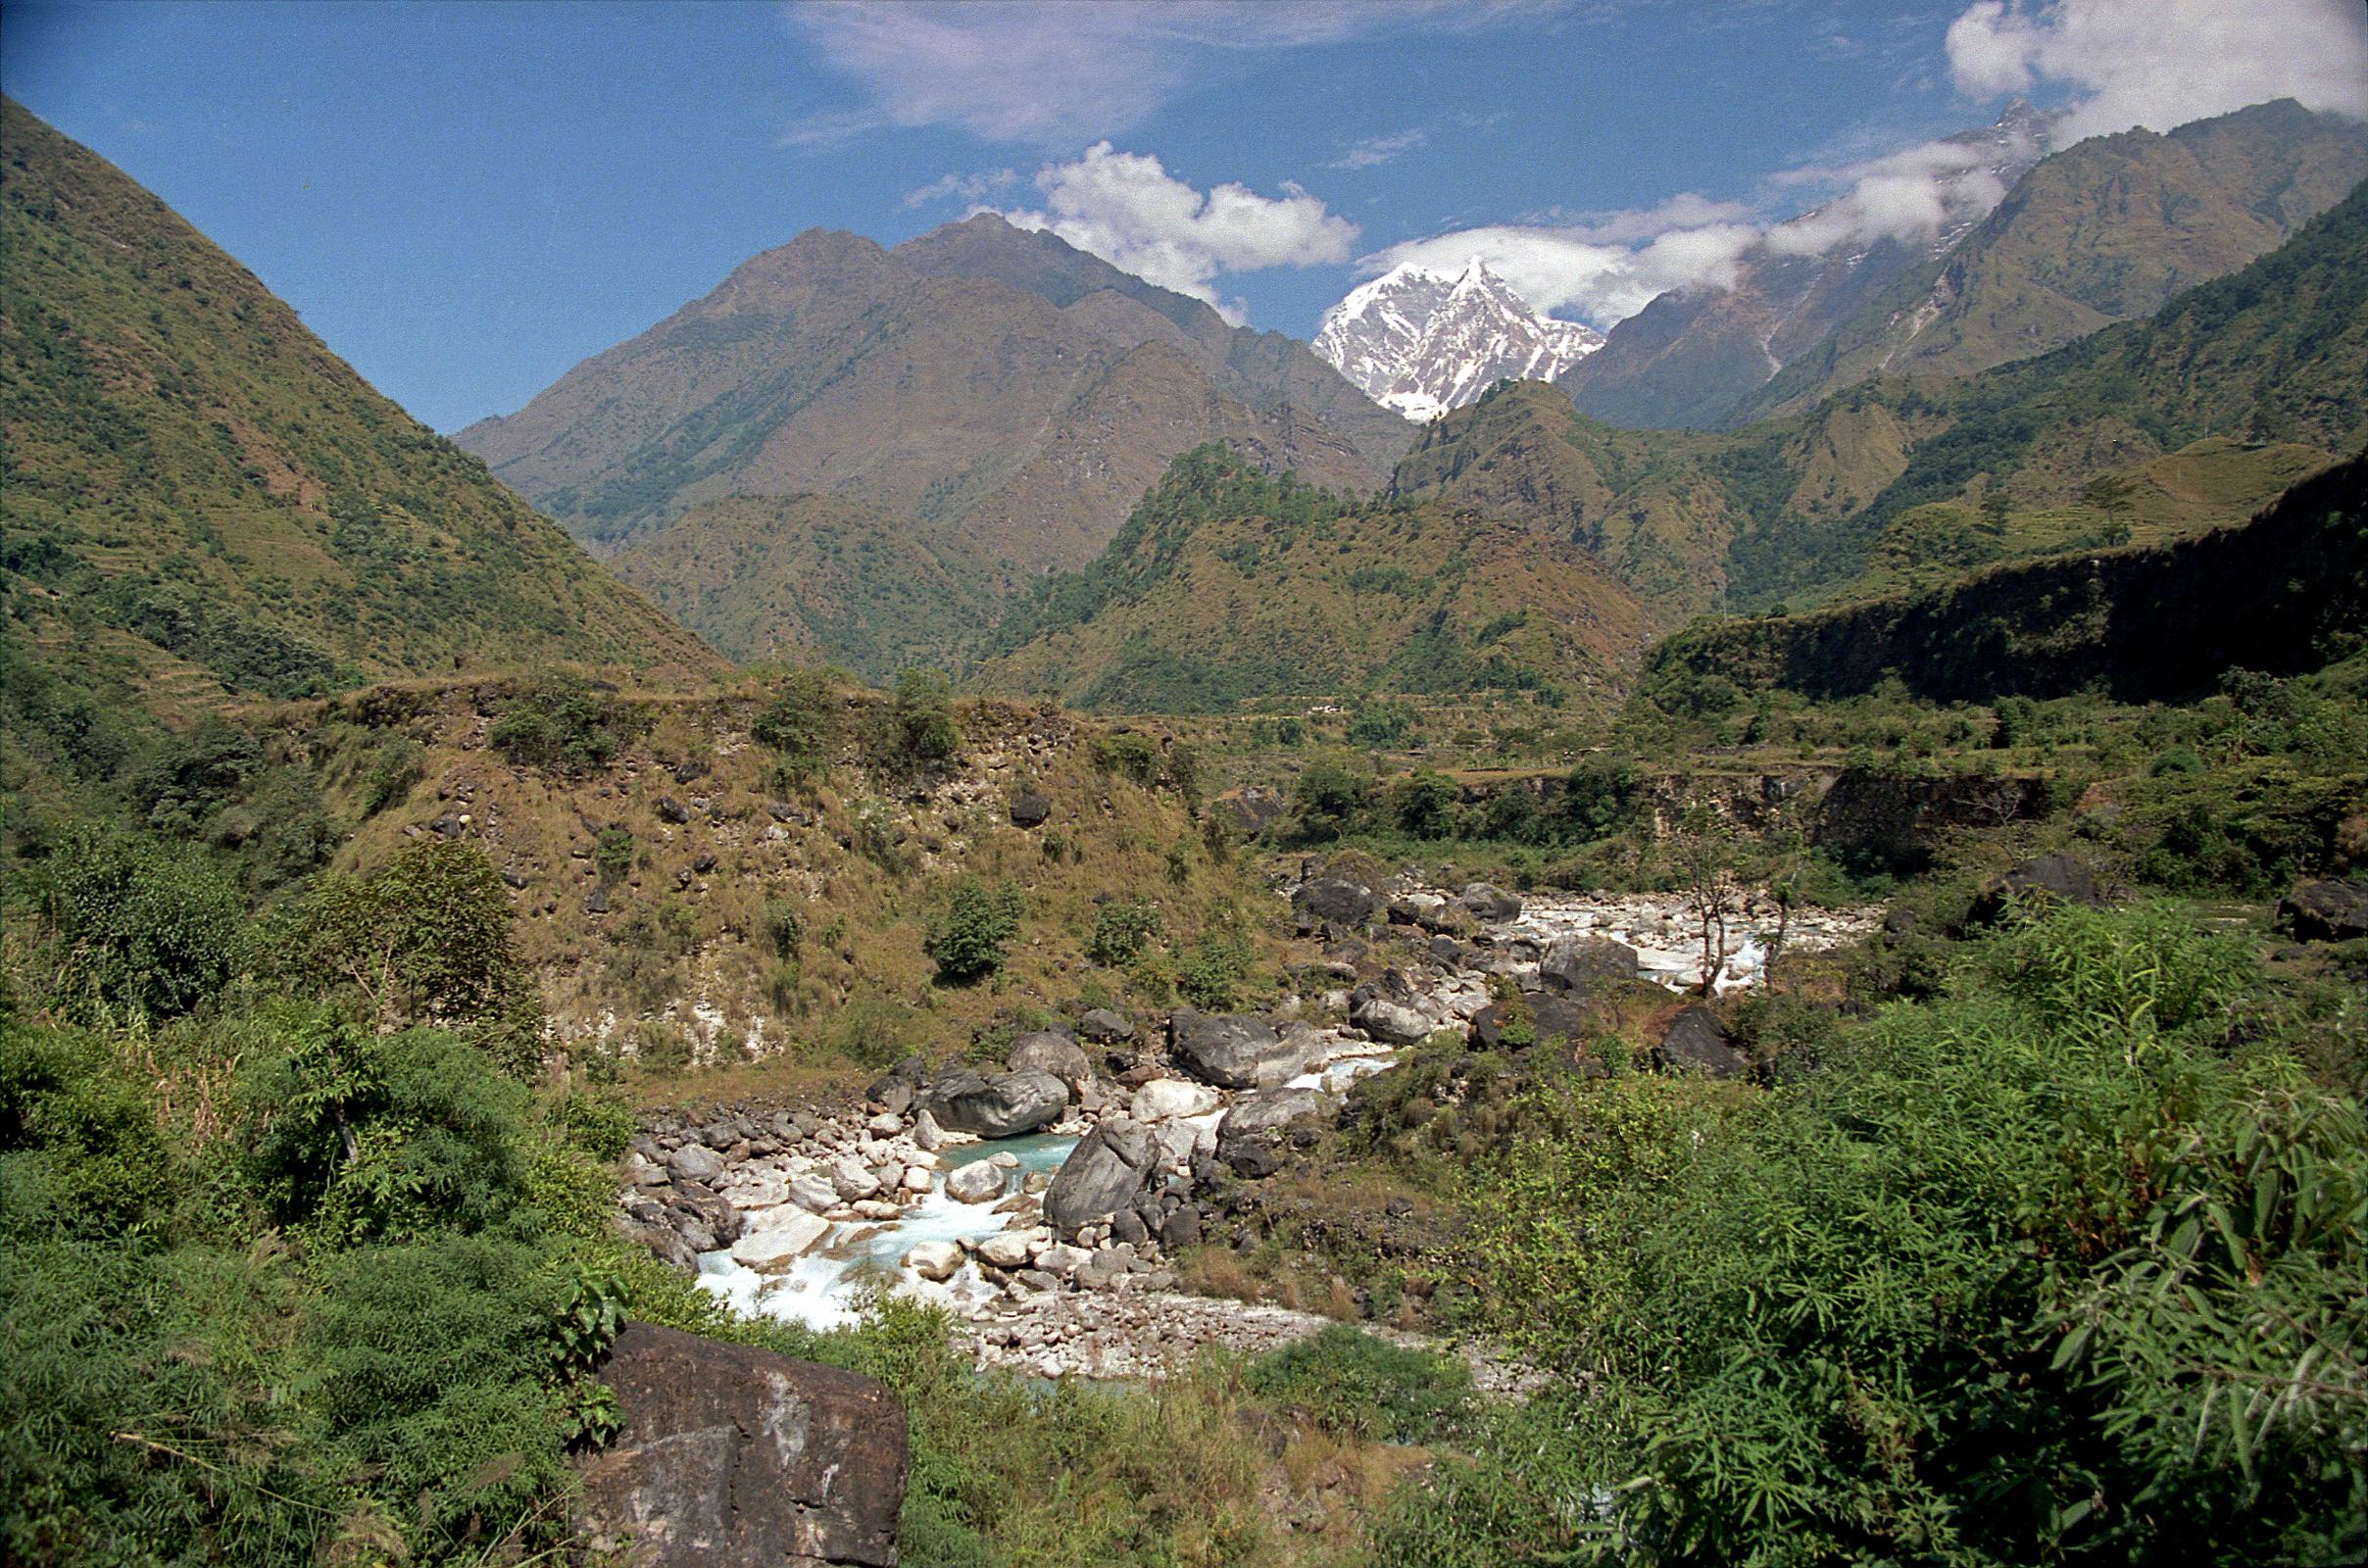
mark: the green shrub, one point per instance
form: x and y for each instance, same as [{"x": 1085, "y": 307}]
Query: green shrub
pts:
[
  {"x": 395, "y": 767},
  {"x": 1123, "y": 930},
  {"x": 799, "y": 725},
  {"x": 1209, "y": 974},
  {"x": 1361, "y": 1387},
  {"x": 967, "y": 941},
  {"x": 2045, "y": 1239},
  {"x": 136, "y": 927},
  {"x": 613, "y": 852},
  {"x": 560, "y": 724},
  {"x": 784, "y": 927},
  {"x": 920, "y": 731}
]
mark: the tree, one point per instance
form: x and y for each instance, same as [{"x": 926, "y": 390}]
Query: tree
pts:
[
  {"x": 921, "y": 731},
  {"x": 799, "y": 725},
  {"x": 140, "y": 928},
  {"x": 1704, "y": 847}
]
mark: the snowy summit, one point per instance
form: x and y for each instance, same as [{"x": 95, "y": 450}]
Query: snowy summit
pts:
[{"x": 1421, "y": 342}]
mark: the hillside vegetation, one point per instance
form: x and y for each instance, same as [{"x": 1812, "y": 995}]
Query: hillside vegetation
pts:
[
  {"x": 816, "y": 578},
  {"x": 1227, "y": 586},
  {"x": 201, "y": 499}
]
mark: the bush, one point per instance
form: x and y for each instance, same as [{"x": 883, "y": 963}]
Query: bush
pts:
[
  {"x": 1210, "y": 973},
  {"x": 1123, "y": 930},
  {"x": 1359, "y": 1386},
  {"x": 2045, "y": 1239},
  {"x": 920, "y": 730},
  {"x": 561, "y": 724},
  {"x": 395, "y": 767},
  {"x": 784, "y": 927},
  {"x": 137, "y": 927},
  {"x": 967, "y": 941},
  {"x": 613, "y": 852},
  {"x": 799, "y": 725}
]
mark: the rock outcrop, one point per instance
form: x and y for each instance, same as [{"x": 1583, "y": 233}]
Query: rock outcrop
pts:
[{"x": 732, "y": 1454}]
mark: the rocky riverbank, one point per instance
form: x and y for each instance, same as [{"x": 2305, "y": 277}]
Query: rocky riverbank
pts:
[{"x": 1044, "y": 1201}]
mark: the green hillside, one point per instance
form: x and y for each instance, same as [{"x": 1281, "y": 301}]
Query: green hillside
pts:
[
  {"x": 818, "y": 578},
  {"x": 2143, "y": 432},
  {"x": 201, "y": 499},
  {"x": 1227, "y": 585},
  {"x": 2283, "y": 594}
]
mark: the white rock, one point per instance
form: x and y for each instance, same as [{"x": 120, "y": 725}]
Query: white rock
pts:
[
  {"x": 852, "y": 1180},
  {"x": 928, "y": 1136},
  {"x": 1004, "y": 1160},
  {"x": 1164, "y": 1099},
  {"x": 1060, "y": 1260},
  {"x": 978, "y": 1182},
  {"x": 1006, "y": 1248},
  {"x": 887, "y": 1124},
  {"x": 935, "y": 1260},
  {"x": 813, "y": 1193},
  {"x": 917, "y": 1179},
  {"x": 787, "y": 1237}
]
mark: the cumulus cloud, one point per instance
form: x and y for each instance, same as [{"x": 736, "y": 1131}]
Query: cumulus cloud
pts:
[
  {"x": 972, "y": 188},
  {"x": 1052, "y": 73},
  {"x": 1375, "y": 150},
  {"x": 1127, "y": 209},
  {"x": 1911, "y": 195},
  {"x": 2162, "y": 63}
]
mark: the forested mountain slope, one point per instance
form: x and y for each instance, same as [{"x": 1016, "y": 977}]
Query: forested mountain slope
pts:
[{"x": 201, "y": 499}]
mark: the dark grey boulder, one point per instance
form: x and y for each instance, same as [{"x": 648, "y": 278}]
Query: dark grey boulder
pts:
[
  {"x": 2047, "y": 879},
  {"x": 1697, "y": 1042},
  {"x": 670, "y": 810},
  {"x": 998, "y": 1106},
  {"x": 1334, "y": 904},
  {"x": 1113, "y": 1167},
  {"x": 1254, "y": 1138},
  {"x": 1105, "y": 1027},
  {"x": 1485, "y": 901},
  {"x": 1226, "y": 1050},
  {"x": 2326, "y": 911},
  {"x": 1031, "y": 811},
  {"x": 1583, "y": 964},
  {"x": 729, "y": 1453}
]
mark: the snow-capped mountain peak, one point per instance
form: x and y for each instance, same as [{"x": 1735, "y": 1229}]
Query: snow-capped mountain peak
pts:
[{"x": 1421, "y": 341}]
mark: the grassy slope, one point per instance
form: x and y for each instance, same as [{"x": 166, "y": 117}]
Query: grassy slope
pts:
[
  {"x": 1225, "y": 587},
  {"x": 199, "y": 494},
  {"x": 816, "y": 579}
]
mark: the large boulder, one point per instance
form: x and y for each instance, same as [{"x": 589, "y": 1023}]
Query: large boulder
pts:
[
  {"x": 1030, "y": 810},
  {"x": 935, "y": 1260},
  {"x": 695, "y": 1162},
  {"x": 1698, "y": 1041},
  {"x": 1546, "y": 1016},
  {"x": 784, "y": 1239},
  {"x": 998, "y": 1106},
  {"x": 1388, "y": 1008},
  {"x": 974, "y": 1181},
  {"x": 1166, "y": 1098},
  {"x": 1333, "y": 903},
  {"x": 1583, "y": 964},
  {"x": 2047, "y": 879},
  {"x": 1103, "y": 1027},
  {"x": 2327, "y": 912},
  {"x": 1485, "y": 901},
  {"x": 1113, "y": 1167},
  {"x": 729, "y": 1453},
  {"x": 1046, "y": 1051},
  {"x": 1224, "y": 1049},
  {"x": 1255, "y": 1135}
]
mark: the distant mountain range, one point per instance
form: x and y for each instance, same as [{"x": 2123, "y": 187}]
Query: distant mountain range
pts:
[
  {"x": 203, "y": 502},
  {"x": 1422, "y": 341},
  {"x": 2103, "y": 231},
  {"x": 979, "y": 376}
]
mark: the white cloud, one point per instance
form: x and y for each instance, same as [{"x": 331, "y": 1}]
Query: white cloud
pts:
[
  {"x": 1375, "y": 150},
  {"x": 1567, "y": 269},
  {"x": 1052, "y": 73},
  {"x": 2162, "y": 63},
  {"x": 1909, "y": 195},
  {"x": 971, "y": 188},
  {"x": 1127, "y": 209}
]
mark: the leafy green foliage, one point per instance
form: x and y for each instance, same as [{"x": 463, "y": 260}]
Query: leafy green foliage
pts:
[
  {"x": 799, "y": 723},
  {"x": 136, "y": 927},
  {"x": 1123, "y": 930},
  {"x": 1352, "y": 1383},
  {"x": 561, "y": 724},
  {"x": 968, "y": 940},
  {"x": 1973, "y": 1259}
]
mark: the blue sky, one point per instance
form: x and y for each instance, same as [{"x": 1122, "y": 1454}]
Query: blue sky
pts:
[{"x": 465, "y": 199}]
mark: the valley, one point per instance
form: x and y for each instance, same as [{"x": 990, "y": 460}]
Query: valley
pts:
[{"x": 953, "y": 910}]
